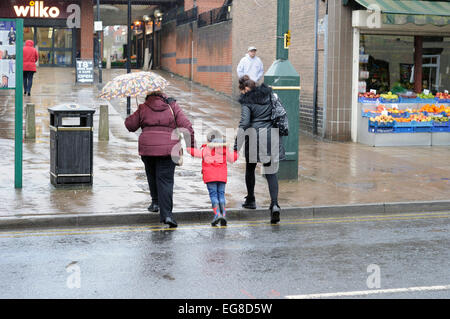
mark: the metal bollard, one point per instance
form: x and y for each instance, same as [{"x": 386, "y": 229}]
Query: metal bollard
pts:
[
  {"x": 30, "y": 122},
  {"x": 103, "y": 127}
]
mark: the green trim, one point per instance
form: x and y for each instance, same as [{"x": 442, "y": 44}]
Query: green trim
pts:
[
  {"x": 410, "y": 7},
  {"x": 18, "y": 140}
]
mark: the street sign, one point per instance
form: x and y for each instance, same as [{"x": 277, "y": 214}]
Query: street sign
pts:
[
  {"x": 287, "y": 39},
  {"x": 98, "y": 26},
  {"x": 85, "y": 71}
]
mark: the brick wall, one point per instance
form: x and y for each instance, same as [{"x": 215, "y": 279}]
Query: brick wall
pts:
[
  {"x": 203, "y": 5},
  {"x": 213, "y": 51},
  {"x": 169, "y": 47},
  {"x": 184, "y": 38},
  {"x": 209, "y": 48}
]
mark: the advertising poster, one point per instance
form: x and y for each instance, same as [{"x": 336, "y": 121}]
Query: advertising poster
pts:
[{"x": 7, "y": 54}]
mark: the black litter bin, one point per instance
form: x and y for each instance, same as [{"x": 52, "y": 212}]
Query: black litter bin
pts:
[{"x": 71, "y": 144}]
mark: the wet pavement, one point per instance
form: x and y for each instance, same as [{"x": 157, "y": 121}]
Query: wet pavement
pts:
[
  {"x": 250, "y": 259},
  {"x": 330, "y": 173}
]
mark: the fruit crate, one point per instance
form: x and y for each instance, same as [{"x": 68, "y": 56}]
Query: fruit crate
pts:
[
  {"x": 441, "y": 124},
  {"x": 422, "y": 124},
  {"x": 381, "y": 127},
  {"x": 397, "y": 115},
  {"x": 367, "y": 100},
  {"x": 438, "y": 100},
  {"x": 369, "y": 114},
  {"x": 383, "y": 100},
  {"x": 438, "y": 129},
  {"x": 410, "y": 100},
  {"x": 422, "y": 127},
  {"x": 428, "y": 101},
  {"x": 403, "y": 124},
  {"x": 403, "y": 129}
]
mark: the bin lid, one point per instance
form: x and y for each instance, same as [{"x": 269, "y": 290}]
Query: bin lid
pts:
[{"x": 70, "y": 107}]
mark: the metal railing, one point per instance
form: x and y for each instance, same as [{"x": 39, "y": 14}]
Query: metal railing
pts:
[
  {"x": 187, "y": 16},
  {"x": 214, "y": 16},
  {"x": 169, "y": 16}
]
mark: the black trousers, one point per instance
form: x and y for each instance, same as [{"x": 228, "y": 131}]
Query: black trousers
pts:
[
  {"x": 272, "y": 182},
  {"x": 27, "y": 81},
  {"x": 160, "y": 173}
]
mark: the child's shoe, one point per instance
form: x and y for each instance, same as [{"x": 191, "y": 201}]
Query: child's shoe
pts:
[
  {"x": 223, "y": 215},
  {"x": 223, "y": 220},
  {"x": 217, "y": 217}
]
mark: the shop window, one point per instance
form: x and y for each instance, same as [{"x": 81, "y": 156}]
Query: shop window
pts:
[{"x": 387, "y": 63}]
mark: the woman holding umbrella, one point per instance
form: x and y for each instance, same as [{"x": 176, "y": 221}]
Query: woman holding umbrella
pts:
[{"x": 158, "y": 117}]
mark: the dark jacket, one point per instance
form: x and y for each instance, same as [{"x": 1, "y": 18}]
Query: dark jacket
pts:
[
  {"x": 256, "y": 112},
  {"x": 30, "y": 56},
  {"x": 158, "y": 124}
]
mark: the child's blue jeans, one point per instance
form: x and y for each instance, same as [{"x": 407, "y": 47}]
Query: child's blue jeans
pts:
[{"x": 216, "y": 193}]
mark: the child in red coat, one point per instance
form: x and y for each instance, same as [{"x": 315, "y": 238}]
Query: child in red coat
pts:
[{"x": 214, "y": 157}]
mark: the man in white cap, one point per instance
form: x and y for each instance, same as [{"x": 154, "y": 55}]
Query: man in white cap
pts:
[{"x": 251, "y": 65}]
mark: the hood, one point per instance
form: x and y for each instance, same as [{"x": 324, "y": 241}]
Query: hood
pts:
[
  {"x": 29, "y": 43},
  {"x": 259, "y": 95},
  {"x": 214, "y": 145},
  {"x": 156, "y": 103}
]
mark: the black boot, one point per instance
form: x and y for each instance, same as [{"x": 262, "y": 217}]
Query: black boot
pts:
[
  {"x": 171, "y": 222},
  {"x": 223, "y": 215},
  {"x": 217, "y": 216},
  {"x": 250, "y": 202},
  {"x": 274, "y": 213},
  {"x": 154, "y": 207}
]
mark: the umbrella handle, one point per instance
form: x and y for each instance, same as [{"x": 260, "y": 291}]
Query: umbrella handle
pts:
[{"x": 137, "y": 103}]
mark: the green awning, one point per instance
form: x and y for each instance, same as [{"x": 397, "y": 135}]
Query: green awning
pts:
[{"x": 411, "y": 11}]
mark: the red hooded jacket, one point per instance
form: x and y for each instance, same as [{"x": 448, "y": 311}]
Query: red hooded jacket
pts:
[
  {"x": 30, "y": 56},
  {"x": 157, "y": 123},
  {"x": 214, "y": 161}
]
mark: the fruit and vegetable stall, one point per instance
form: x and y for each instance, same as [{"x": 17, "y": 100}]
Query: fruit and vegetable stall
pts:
[{"x": 422, "y": 119}]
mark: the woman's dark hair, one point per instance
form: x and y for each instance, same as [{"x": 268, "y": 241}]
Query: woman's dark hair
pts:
[
  {"x": 157, "y": 93},
  {"x": 246, "y": 82},
  {"x": 214, "y": 134}
]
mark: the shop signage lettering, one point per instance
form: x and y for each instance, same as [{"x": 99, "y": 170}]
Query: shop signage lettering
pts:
[
  {"x": 85, "y": 71},
  {"x": 36, "y": 9}
]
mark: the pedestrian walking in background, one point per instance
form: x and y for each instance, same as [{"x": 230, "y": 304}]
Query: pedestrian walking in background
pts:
[
  {"x": 215, "y": 156},
  {"x": 158, "y": 117},
  {"x": 251, "y": 65},
  {"x": 30, "y": 57},
  {"x": 256, "y": 113},
  {"x": 12, "y": 36}
]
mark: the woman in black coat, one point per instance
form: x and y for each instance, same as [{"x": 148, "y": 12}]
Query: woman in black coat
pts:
[{"x": 262, "y": 142}]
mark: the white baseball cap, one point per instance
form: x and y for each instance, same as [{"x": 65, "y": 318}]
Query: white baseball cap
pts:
[{"x": 251, "y": 49}]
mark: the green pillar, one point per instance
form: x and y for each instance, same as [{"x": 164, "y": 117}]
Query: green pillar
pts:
[
  {"x": 18, "y": 138},
  {"x": 285, "y": 82}
]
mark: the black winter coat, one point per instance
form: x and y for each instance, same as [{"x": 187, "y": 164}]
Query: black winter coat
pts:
[{"x": 256, "y": 111}]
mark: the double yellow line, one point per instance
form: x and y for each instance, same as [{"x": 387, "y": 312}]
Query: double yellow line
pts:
[{"x": 239, "y": 224}]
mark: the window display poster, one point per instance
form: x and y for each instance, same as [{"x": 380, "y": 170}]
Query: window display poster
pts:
[{"x": 7, "y": 54}]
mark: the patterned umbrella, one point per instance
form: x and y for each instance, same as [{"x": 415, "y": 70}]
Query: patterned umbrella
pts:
[{"x": 133, "y": 85}]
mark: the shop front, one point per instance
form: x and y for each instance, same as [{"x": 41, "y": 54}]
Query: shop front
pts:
[
  {"x": 401, "y": 73},
  {"x": 45, "y": 23}
]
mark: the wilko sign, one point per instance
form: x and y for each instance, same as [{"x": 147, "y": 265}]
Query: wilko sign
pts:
[
  {"x": 42, "y": 9},
  {"x": 36, "y": 9}
]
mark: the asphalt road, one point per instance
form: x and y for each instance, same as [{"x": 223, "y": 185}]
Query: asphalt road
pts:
[{"x": 342, "y": 257}]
